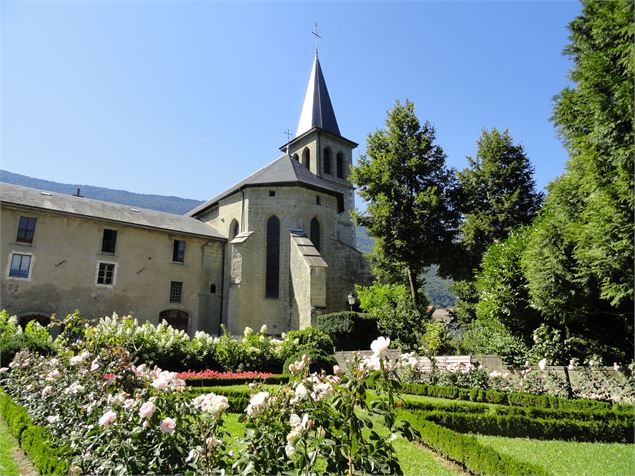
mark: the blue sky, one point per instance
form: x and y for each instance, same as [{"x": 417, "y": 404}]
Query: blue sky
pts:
[{"x": 187, "y": 98}]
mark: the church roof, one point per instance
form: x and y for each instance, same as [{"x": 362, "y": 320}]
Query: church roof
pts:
[
  {"x": 282, "y": 171},
  {"x": 317, "y": 110},
  {"x": 89, "y": 208}
]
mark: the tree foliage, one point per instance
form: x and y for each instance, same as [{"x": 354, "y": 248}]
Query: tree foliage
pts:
[
  {"x": 579, "y": 260},
  {"x": 498, "y": 194},
  {"x": 410, "y": 195}
]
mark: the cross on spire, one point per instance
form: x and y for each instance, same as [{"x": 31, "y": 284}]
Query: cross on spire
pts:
[
  {"x": 316, "y": 33},
  {"x": 288, "y": 133}
]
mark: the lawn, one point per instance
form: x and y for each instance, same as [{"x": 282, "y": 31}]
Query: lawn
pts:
[
  {"x": 569, "y": 457},
  {"x": 13, "y": 462}
]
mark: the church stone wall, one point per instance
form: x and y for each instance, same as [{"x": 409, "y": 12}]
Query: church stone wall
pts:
[
  {"x": 347, "y": 267},
  {"x": 66, "y": 250}
]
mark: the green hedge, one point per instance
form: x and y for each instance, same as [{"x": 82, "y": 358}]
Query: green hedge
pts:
[
  {"x": 218, "y": 382},
  {"x": 319, "y": 361},
  {"x": 519, "y": 426},
  {"x": 467, "y": 451},
  {"x": 510, "y": 398},
  {"x": 349, "y": 330},
  {"x": 35, "y": 440},
  {"x": 606, "y": 416}
]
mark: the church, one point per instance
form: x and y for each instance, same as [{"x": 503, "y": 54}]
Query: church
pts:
[{"x": 277, "y": 248}]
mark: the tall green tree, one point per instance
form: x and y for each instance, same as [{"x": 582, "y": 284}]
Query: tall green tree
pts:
[
  {"x": 410, "y": 194},
  {"x": 498, "y": 194},
  {"x": 579, "y": 261}
]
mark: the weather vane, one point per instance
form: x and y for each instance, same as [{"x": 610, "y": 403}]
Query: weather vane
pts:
[{"x": 317, "y": 36}]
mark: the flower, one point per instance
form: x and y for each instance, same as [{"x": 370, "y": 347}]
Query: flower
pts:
[
  {"x": 264, "y": 329},
  {"x": 53, "y": 375},
  {"x": 212, "y": 442},
  {"x": 74, "y": 389},
  {"x": 248, "y": 331},
  {"x": 94, "y": 365},
  {"x": 53, "y": 419},
  {"x": 495, "y": 374},
  {"x": 300, "y": 365},
  {"x": 572, "y": 363},
  {"x": 211, "y": 403},
  {"x": 147, "y": 410},
  {"x": 168, "y": 425},
  {"x": 380, "y": 345},
  {"x": 191, "y": 456},
  {"x": 258, "y": 401},
  {"x": 542, "y": 364},
  {"x": 128, "y": 403},
  {"x": 616, "y": 366},
  {"x": 47, "y": 391},
  {"x": 337, "y": 370},
  {"x": 4, "y": 369},
  {"x": 289, "y": 450},
  {"x": 77, "y": 359},
  {"x": 107, "y": 418}
]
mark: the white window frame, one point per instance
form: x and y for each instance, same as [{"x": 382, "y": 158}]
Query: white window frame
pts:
[
  {"x": 8, "y": 271},
  {"x": 114, "y": 274}
]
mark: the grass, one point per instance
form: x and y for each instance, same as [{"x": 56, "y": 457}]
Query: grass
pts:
[
  {"x": 13, "y": 462},
  {"x": 568, "y": 457}
]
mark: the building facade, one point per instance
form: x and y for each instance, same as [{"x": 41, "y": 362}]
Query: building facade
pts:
[{"x": 278, "y": 248}]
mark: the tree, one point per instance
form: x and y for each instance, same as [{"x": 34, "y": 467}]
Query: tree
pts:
[
  {"x": 498, "y": 194},
  {"x": 579, "y": 260},
  {"x": 410, "y": 195}
]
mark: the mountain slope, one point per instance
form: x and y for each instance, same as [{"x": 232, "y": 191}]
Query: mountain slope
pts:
[{"x": 154, "y": 202}]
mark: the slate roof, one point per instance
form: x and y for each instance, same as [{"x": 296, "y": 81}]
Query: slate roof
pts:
[
  {"x": 86, "y": 207},
  {"x": 317, "y": 110},
  {"x": 282, "y": 171}
]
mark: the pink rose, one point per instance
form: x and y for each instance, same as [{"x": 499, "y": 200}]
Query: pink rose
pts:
[
  {"x": 147, "y": 410},
  {"x": 107, "y": 418},
  {"x": 168, "y": 425}
]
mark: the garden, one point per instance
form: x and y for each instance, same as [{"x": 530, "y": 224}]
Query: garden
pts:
[{"x": 94, "y": 400}]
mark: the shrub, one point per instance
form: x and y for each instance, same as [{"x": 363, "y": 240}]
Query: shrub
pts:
[
  {"x": 319, "y": 361},
  {"x": 306, "y": 340},
  {"x": 466, "y": 450},
  {"x": 349, "y": 330},
  {"x": 11, "y": 344}
]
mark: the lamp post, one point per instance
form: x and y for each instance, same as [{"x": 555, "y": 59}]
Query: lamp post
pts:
[{"x": 351, "y": 300}]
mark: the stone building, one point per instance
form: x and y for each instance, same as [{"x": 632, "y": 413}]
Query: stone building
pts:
[{"x": 278, "y": 248}]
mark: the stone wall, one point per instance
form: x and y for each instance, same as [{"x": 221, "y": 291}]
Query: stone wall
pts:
[{"x": 347, "y": 267}]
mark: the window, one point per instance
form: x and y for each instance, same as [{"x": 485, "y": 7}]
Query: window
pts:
[
  {"x": 306, "y": 158},
  {"x": 295, "y": 157},
  {"x": 317, "y": 200},
  {"x": 106, "y": 274},
  {"x": 339, "y": 163},
  {"x": 212, "y": 289},
  {"x": 235, "y": 227},
  {"x": 176, "y": 291},
  {"x": 175, "y": 318},
  {"x": 26, "y": 228},
  {"x": 327, "y": 161},
  {"x": 272, "y": 193},
  {"x": 178, "y": 251},
  {"x": 315, "y": 233},
  {"x": 109, "y": 241},
  {"x": 272, "y": 277},
  {"x": 20, "y": 266}
]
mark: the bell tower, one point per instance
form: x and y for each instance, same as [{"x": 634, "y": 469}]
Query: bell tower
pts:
[{"x": 320, "y": 147}]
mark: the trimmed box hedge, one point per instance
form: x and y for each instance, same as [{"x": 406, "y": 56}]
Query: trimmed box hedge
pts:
[
  {"x": 35, "y": 440},
  {"x": 349, "y": 330},
  {"x": 519, "y": 426},
  {"x": 467, "y": 451},
  {"x": 606, "y": 416},
  {"x": 510, "y": 398}
]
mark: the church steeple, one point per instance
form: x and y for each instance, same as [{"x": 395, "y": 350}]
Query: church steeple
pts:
[{"x": 317, "y": 110}]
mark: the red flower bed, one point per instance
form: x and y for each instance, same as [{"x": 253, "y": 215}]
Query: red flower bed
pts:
[{"x": 223, "y": 375}]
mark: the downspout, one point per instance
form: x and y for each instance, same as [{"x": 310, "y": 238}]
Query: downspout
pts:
[{"x": 242, "y": 211}]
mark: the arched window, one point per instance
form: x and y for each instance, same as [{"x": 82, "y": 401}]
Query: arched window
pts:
[
  {"x": 234, "y": 229},
  {"x": 306, "y": 158},
  {"x": 327, "y": 161},
  {"x": 272, "y": 277},
  {"x": 340, "y": 165},
  {"x": 315, "y": 233},
  {"x": 175, "y": 318},
  {"x": 295, "y": 157}
]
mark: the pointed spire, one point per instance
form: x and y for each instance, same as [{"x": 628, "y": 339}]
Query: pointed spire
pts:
[{"x": 317, "y": 110}]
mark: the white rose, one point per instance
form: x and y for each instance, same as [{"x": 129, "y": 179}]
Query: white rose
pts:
[
  {"x": 542, "y": 364},
  {"x": 107, "y": 418},
  {"x": 380, "y": 345},
  {"x": 147, "y": 410}
]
